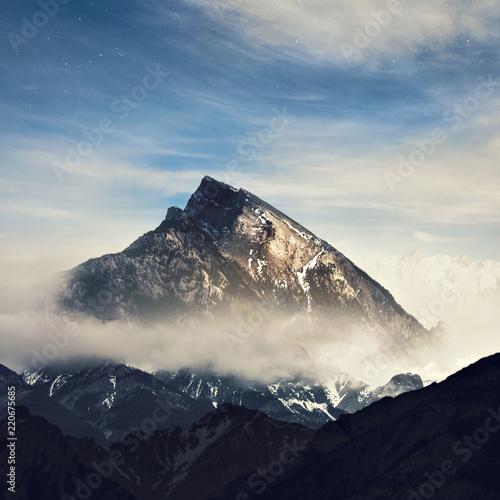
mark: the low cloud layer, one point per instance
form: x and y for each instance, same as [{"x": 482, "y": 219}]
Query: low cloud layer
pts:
[{"x": 264, "y": 345}]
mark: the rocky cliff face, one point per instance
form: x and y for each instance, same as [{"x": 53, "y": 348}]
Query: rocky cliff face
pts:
[
  {"x": 167, "y": 273},
  {"x": 282, "y": 255},
  {"x": 224, "y": 251}
]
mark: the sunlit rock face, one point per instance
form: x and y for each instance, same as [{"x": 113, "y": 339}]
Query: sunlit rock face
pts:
[{"x": 226, "y": 250}]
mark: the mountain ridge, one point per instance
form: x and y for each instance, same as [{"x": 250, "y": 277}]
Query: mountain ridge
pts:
[
  {"x": 109, "y": 399},
  {"x": 228, "y": 248},
  {"x": 394, "y": 448}
]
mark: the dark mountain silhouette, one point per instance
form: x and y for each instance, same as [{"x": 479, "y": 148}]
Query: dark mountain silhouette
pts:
[{"x": 441, "y": 441}]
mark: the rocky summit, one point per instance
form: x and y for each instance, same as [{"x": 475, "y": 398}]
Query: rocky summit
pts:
[{"x": 224, "y": 252}]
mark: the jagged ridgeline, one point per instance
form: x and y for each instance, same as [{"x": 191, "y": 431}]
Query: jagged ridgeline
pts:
[{"x": 227, "y": 253}]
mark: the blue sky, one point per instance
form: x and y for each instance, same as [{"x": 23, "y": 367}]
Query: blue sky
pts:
[{"x": 357, "y": 85}]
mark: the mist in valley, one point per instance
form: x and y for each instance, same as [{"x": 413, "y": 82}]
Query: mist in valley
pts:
[{"x": 262, "y": 344}]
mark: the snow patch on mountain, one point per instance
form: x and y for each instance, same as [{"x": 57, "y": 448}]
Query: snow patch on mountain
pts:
[
  {"x": 108, "y": 402},
  {"x": 32, "y": 378},
  {"x": 301, "y": 275},
  {"x": 57, "y": 384},
  {"x": 306, "y": 236}
]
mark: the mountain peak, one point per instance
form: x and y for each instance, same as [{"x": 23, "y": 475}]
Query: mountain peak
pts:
[
  {"x": 211, "y": 192},
  {"x": 418, "y": 253},
  {"x": 227, "y": 213},
  {"x": 463, "y": 260},
  {"x": 174, "y": 213},
  {"x": 228, "y": 247},
  {"x": 214, "y": 206}
]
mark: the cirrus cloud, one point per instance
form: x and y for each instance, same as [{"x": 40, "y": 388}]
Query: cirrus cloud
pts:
[
  {"x": 430, "y": 238},
  {"x": 317, "y": 29}
]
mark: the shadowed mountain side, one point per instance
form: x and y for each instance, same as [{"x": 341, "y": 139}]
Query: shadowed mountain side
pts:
[
  {"x": 179, "y": 464},
  {"x": 442, "y": 440},
  {"x": 41, "y": 404},
  {"x": 47, "y": 466},
  {"x": 116, "y": 398}
]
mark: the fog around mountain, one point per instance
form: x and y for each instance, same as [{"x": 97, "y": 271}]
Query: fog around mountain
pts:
[
  {"x": 266, "y": 336},
  {"x": 461, "y": 294}
]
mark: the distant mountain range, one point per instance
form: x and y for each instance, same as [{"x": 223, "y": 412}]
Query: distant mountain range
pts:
[
  {"x": 311, "y": 405},
  {"x": 440, "y": 441},
  {"x": 431, "y": 287},
  {"x": 106, "y": 401}
]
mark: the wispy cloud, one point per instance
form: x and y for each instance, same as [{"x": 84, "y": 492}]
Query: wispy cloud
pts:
[
  {"x": 316, "y": 31},
  {"x": 430, "y": 238},
  {"x": 233, "y": 62},
  {"x": 39, "y": 212}
]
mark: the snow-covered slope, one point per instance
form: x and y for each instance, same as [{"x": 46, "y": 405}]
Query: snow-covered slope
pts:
[
  {"x": 116, "y": 398},
  {"x": 291, "y": 401}
]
